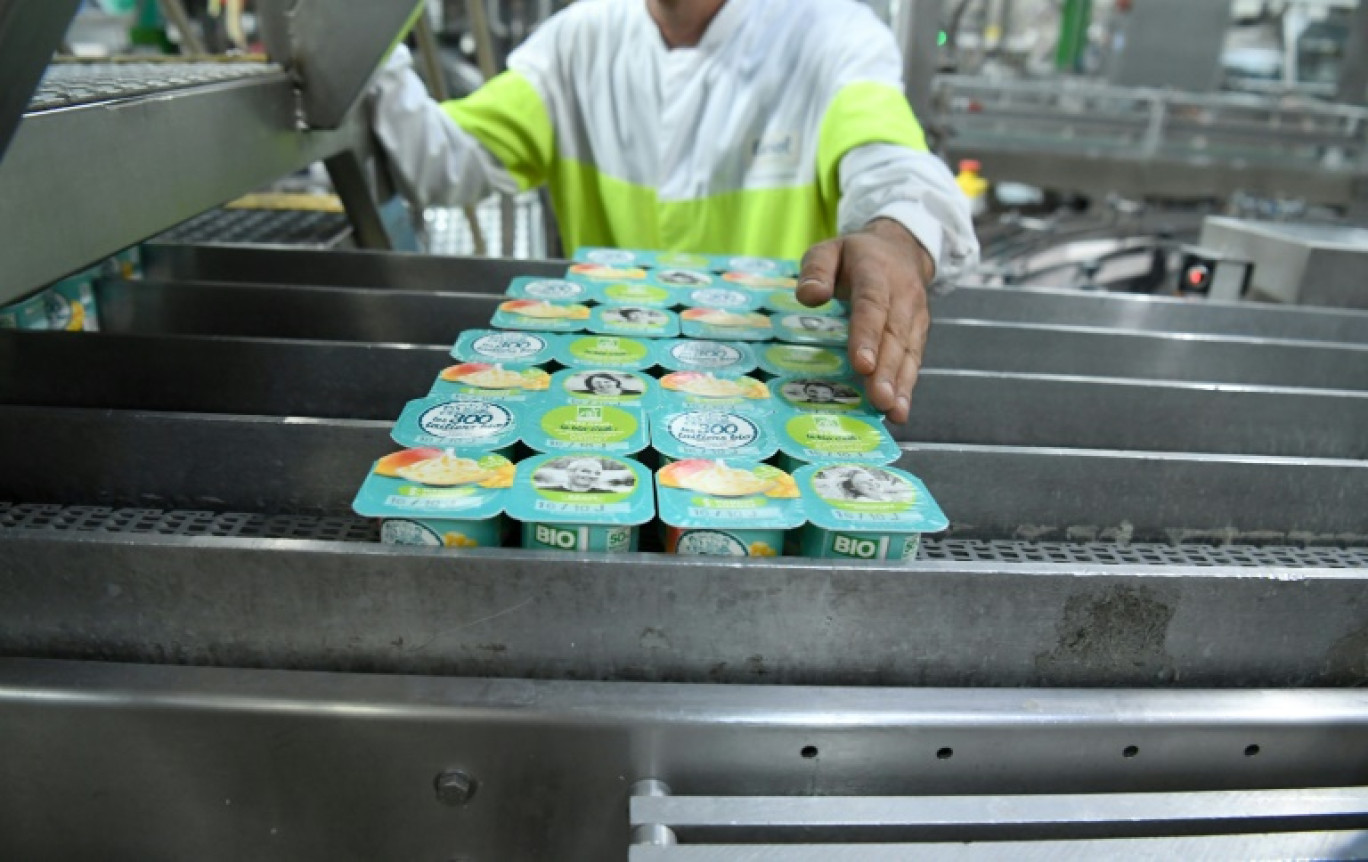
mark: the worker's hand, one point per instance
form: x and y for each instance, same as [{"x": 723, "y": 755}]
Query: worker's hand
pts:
[{"x": 883, "y": 271}]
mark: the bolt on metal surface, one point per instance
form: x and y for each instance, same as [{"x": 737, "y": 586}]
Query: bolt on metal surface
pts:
[{"x": 454, "y": 787}]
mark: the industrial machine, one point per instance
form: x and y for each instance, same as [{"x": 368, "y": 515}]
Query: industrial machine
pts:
[{"x": 1144, "y": 635}]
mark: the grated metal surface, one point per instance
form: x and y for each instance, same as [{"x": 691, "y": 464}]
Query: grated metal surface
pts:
[
  {"x": 448, "y": 232},
  {"x": 261, "y": 226},
  {"x": 65, "y": 85},
  {"x": 46, "y": 516}
]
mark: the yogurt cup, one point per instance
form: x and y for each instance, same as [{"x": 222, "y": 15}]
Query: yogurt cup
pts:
[
  {"x": 865, "y": 512},
  {"x": 752, "y": 265},
  {"x": 719, "y": 324},
  {"x": 821, "y": 329},
  {"x": 733, "y": 433},
  {"x": 857, "y": 438},
  {"x": 811, "y": 394},
  {"x": 708, "y": 391},
  {"x": 600, "y": 272},
  {"x": 755, "y": 281},
  {"x": 581, "y": 502},
  {"x": 779, "y": 360},
  {"x": 721, "y": 298},
  {"x": 540, "y": 315},
  {"x": 604, "y": 386},
  {"x": 606, "y": 351},
  {"x": 634, "y": 321},
  {"x": 687, "y": 354},
  {"x": 550, "y": 289},
  {"x": 463, "y": 425},
  {"x": 726, "y": 508},
  {"x": 617, "y": 257},
  {"x": 638, "y": 293},
  {"x": 514, "y": 348},
  {"x": 782, "y": 302},
  {"x": 436, "y": 498},
  {"x": 566, "y": 425},
  {"x": 503, "y": 383},
  {"x": 679, "y": 278},
  {"x": 69, "y": 305}
]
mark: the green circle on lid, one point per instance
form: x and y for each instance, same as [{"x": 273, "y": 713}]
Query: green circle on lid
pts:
[
  {"x": 835, "y": 435},
  {"x": 608, "y": 348},
  {"x": 817, "y": 360},
  {"x": 589, "y": 424},
  {"x": 643, "y": 293}
]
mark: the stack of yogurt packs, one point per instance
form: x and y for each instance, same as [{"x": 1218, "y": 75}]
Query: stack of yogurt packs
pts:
[{"x": 689, "y": 393}]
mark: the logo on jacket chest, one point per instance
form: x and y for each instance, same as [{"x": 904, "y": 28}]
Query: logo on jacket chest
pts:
[{"x": 774, "y": 155}]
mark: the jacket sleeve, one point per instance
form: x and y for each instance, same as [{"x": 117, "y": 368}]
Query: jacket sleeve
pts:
[
  {"x": 433, "y": 160},
  {"x": 872, "y": 155}
]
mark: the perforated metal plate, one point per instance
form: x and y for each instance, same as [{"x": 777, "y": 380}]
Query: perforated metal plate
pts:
[
  {"x": 275, "y": 227},
  {"x": 68, "y": 84},
  {"x": 43, "y": 516}
]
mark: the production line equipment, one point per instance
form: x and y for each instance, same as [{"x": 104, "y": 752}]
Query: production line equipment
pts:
[{"x": 1144, "y": 634}]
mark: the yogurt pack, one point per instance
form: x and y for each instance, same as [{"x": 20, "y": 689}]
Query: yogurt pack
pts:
[
  {"x": 634, "y": 321},
  {"x": 760, "y": 266},
  {"x": 617, "y": 352},
  {"x": 865, "y": 512},
  {"x": 605, "y": 272},
  {"x": 760, "y": 281},
  {"x": 581, "y": 502},
  {"x": 540, "y": 315},
  {"x": 638, "y": 293},
  {"x": 437, "y": 498},
  {"x": 551, "y": 290},
  {"x": 808, "y": 328},
  {"x": 719, "y": 324},
  {"x": 511, "y": 383},
  {"x": 727, "y": 508},
  {"x": 679, "y": 435},
  {"x": 678, "y": 278},
  {"x": 711, "y": 356},
  {"x": 514, "y": 348},
  {"x": 615, "y": 257},
  {"x": 465, "y": 426},
  {"x": 707, "y": 390}
]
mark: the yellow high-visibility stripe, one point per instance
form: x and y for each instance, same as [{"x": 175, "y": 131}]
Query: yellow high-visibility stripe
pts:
[{"x": 508, "y": 117}]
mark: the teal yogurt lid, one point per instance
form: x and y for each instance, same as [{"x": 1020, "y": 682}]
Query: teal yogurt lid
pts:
[
  {"x": 786, "y": 302},
  {"x": 783, "y": 359},
  {"x": 618, "y": 257},
  {"x": 461, "y": 424},
  {"x": 677, "y": 278},
  {"x": 518, "y": 348},
  {"x": 814, "y": 394},
  {"x": 719, "y": 324},
  {"x": 634, "y": 321},
  {"x": 582, "y": 489},
  {"x": 638, "y": 293},
  {"x": 722, "y": 298},
  {"x": 706, "y": 493},
  {"x": 435, "y": 483},
  {"x": 686, "y": 354},
  {"x": 751, "y": 265},
  {"x": 540, "y": 315},
  {"x": 808, "y": 328},
  {"x": 606, "y": 351},
  {"x": 491, "y": 380},
  {"x": 704, "y": 433},
  {"x": 707, "y": 389},
  {"x": 868, "y": 498},
  {"x": 855, "y": 437},
  {"x": 549, "y": 289},
  {"x": 604, "y": 386},
  {"x": 602, "y": 272},
  {"x": 568, "y": 425}
]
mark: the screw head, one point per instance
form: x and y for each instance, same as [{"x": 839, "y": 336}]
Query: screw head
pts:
[{"x": 454, "y": 787}]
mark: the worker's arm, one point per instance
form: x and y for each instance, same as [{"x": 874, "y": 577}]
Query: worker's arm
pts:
[
  {"x": 433, "y": 160},
  {"x": 902, "y": 220},
  {"x": 903, "y": 223}
]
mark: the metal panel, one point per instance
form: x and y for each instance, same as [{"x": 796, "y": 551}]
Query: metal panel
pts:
[
  {"x": 1212, "y": 848},
  {"x": 107, "y": 154},
  {"x": 338, "y": 268},
  {"x": 30, "y": 31},
  {"x": 330, "y": 314},
  {"x": 1168, "y": 43},
  {"x": 332, "y": 48},
  {"x": 292, "y": 465},
  {"x": 1150, "y": 313},
  {"x": 232, "y": 764},
  {"x": 1302, "y": 263},
  {"x": 871, "y": 819},
  {"x": 637, "y": 617}
]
